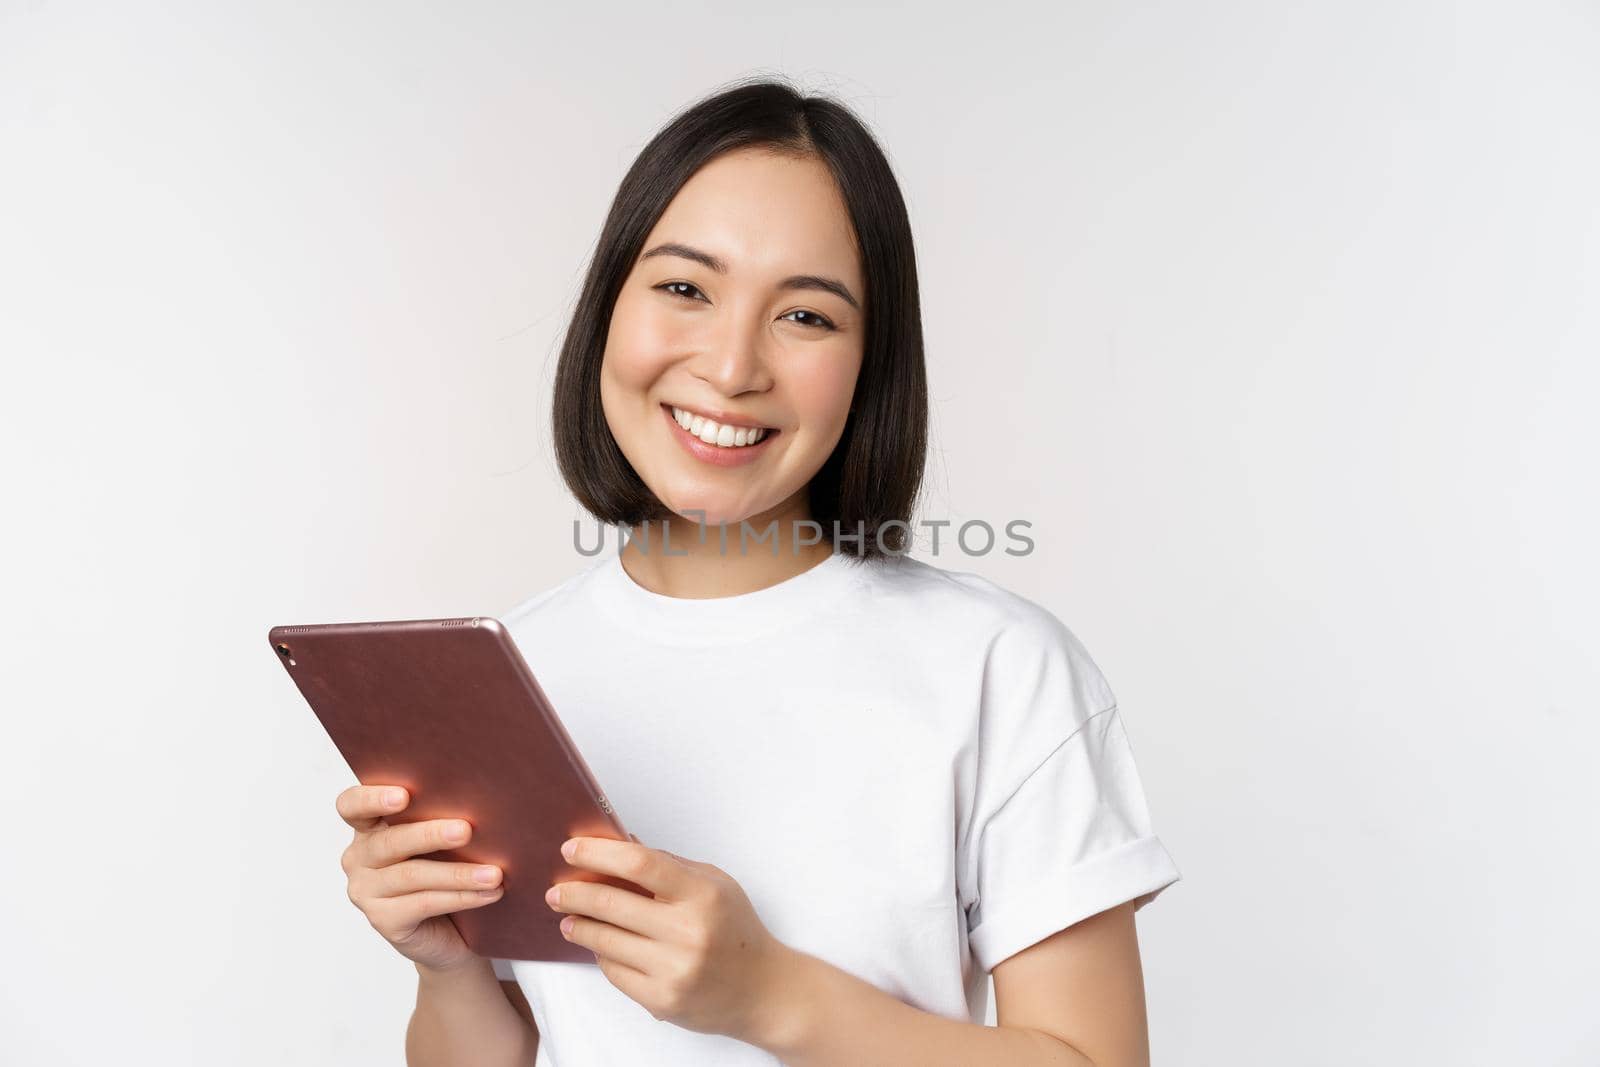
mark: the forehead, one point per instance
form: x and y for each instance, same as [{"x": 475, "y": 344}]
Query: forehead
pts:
[{"x": 765, "y": 213}]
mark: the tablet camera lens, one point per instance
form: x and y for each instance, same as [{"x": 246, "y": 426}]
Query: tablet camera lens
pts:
[{"x": 283, "y": 650}]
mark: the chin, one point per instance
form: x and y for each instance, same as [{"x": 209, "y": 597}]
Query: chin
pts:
[
  {"x": 710, "y": 512},
  {"x": 709, "y": 516}
]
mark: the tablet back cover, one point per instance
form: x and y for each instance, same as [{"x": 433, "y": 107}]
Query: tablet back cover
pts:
[{"x": 448, "y": 709}]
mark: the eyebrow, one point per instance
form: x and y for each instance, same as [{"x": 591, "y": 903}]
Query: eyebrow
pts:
[{"x": 794, "y": 281}]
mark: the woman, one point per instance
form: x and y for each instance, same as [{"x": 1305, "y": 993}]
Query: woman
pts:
[{"x": 879, "y": 781}]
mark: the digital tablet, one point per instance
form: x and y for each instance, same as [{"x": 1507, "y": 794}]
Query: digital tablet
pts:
[{"x": 448, "y": 709}]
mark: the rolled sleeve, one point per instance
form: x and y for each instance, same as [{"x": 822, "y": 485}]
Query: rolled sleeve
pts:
[{"x": 1073, "y": 839}]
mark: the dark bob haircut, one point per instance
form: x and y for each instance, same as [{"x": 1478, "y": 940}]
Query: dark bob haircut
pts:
[{"x": 870, "y": 482}]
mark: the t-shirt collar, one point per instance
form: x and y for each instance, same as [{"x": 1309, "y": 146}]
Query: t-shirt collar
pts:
[{"x": 715, "y": 620}]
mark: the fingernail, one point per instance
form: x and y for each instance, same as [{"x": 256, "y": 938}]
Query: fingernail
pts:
[
  {"x": 484, "y": 875},
  {"x": 566, "y": 926},
  {"x": 567, "y": 848},
  {"x": 456, "y": 832},
  {"x": 552, "y": 895},
  {"x": 392, "y": 798}
]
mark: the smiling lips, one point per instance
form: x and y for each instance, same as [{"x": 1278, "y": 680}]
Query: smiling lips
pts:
[
  {"x": 717, "y": 442},
  {"x": 723, "y": 435}
]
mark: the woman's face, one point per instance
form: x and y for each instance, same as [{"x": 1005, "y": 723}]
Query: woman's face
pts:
[{"x": 731, "y": 314}]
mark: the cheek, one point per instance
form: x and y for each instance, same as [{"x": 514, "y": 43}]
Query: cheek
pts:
[
  {"x": 640, "y": 343},
  {"x": 820, "y": 387}
]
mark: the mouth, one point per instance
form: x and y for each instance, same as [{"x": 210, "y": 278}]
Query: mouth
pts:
[
  {"x": 728, "y": 435},
  {"x": 681, "y": 423}
]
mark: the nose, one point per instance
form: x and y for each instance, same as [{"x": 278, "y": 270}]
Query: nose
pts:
[{"x": 732, "y": 360}]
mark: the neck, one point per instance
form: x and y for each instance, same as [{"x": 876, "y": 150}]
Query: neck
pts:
[{"x": 680, "y": 557}]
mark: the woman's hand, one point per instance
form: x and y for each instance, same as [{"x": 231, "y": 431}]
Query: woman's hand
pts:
[
  {"x": 696, "y": 955},
  {"x": 406, "y": 900}
]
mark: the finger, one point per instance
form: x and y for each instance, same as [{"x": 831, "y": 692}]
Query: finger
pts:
[
  {"x": 621, "y": 946},
  {"x": 391, "y": 844},
  {"x": 411, "y": 876},
  {"x": 619, "y": 907},
  {"x": 394, "y": 916},
  {"x": 363, "y": 806},
  {"x": 643, "y": 866}
]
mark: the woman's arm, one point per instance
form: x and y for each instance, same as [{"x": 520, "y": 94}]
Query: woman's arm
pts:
[
  {"x": 515, "y": 995},
  {"x": 1083, "y": 986},
  {"x": 1075, "y": 999},
  {"x": 465, "y": 1016}
]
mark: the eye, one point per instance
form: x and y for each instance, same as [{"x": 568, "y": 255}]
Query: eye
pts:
[
  {"x": 819, "y": 320},
  {"x": 667, "y": 287}
]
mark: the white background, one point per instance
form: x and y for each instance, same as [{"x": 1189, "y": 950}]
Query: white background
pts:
[{"x": 1278, "y": 322}]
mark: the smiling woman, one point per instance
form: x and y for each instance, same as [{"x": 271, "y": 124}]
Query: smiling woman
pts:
[
  {"x": 708, "y": 321},
  {"x": 859, "y": 784},
  {"x": 756, "y": 269}
]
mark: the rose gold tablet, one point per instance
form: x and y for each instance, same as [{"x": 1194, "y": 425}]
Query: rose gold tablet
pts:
[{"x": 448, "y": 709}]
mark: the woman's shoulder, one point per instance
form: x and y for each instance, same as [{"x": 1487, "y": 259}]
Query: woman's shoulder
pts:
[
  {"x": 966, "y": 595},
  {"x": 1018, "y": 635}
]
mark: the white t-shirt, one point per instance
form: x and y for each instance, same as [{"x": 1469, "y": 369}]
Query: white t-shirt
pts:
[{"x": 912, "y": 772}]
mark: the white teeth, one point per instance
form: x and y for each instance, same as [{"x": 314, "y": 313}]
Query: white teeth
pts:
[{"x": 713, "y": 433}]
